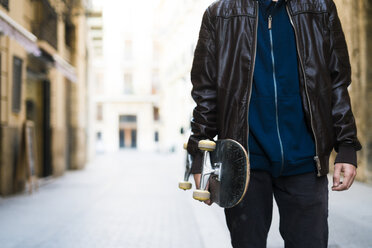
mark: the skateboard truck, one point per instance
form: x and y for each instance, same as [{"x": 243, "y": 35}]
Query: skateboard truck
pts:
[
  {"x": 185, "y": 184},
  {"x": 208, "y": 169},
  {"x": 224, "y": 176}
]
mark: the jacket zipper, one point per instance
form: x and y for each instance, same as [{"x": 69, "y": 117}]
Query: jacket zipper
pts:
[
  {"x": 276, "y": 93},
  {"x": 252, "y": 71},
  {"x": 316, "y": 158}
]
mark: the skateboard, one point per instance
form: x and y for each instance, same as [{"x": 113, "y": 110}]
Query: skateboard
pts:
[{"x": 225, "y": 172}]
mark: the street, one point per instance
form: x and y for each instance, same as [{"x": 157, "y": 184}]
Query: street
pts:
[{"x": 131, "y": 199}]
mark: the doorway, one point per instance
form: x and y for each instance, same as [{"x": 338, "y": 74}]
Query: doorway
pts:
[
  {"x": 38, "y": 111},
  {"x": 127, "y": 131}
]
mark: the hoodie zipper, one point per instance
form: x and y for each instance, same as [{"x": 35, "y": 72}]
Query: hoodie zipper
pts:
[
  {"x": 252, "y": 71},
  {"x": 275, "y": 92},
  {"x": 316, "y": 158}
]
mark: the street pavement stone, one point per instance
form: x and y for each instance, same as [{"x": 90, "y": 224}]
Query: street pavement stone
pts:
[{"x": 131, "y": 200}]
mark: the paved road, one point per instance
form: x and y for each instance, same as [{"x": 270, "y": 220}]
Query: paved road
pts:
[{"x": 131, "y": 200}]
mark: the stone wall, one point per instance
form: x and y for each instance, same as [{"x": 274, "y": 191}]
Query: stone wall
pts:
[{"x": 356, "y": 18}]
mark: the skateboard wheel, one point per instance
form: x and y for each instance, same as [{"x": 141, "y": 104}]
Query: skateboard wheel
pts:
[
  {"x": 207, "y": 145},
  {"x": 185, "y": 146},
  {"x": 184, "y": 185},
  {"x": 201, "y": 195}
]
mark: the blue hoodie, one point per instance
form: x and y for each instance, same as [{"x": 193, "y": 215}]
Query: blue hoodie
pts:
[{"x": 280, "y": 140}]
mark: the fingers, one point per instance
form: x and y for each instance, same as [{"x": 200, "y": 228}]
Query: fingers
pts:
[
  {"x": 197, "y": 180},
  {"x": 352, "y": 181},
  {"x": 349, "y": 175},
  {"x": 349, "y": 172},
  {"x": 337, "y": 175}
]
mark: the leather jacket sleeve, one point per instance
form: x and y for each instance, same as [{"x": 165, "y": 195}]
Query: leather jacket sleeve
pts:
[
  {"x": 340, "y": 71},
  {"x": 204, "y": 92}
]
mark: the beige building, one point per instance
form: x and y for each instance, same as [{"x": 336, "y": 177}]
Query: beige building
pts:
[
  {"x": 95, "y": 77},
  {"x": 43, "y": 80},
  {"x": 356, "y": 18}
]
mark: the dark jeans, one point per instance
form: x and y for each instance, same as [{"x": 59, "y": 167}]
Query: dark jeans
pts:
[{"x": 303, "y": 207}]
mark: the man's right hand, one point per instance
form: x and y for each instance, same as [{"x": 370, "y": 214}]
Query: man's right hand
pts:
[{"x": 197, "y": 184}]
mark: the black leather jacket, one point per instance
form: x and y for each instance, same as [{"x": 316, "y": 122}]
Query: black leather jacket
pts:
[{"x": 222, "y": 75}]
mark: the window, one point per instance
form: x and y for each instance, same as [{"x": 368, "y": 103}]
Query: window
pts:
[
  {"x": 46, "y": 22},
  {"x": 156, "y": 136},
  {"x": 5, "y": 3},
  {"x": 128, "y": 83},
  {"x": 128, "y": 119},
  {"x": 95, "y": 14},
  {"x": 17, "y": 84},
  {"x": 122, "y": 138},
  {"x": 156, "y": 114},
  {"x": 99, "y": 112},
  {"x": 99, "y": 136},
  {"x": 69, "y": 34},
  {"x": 133, "y": 138},
  {"x": 97, "y": 28},
  {"x": 30, "y": 110}
]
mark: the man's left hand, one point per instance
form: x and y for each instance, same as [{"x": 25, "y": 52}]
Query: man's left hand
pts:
[{"x": 349, "y": 172}]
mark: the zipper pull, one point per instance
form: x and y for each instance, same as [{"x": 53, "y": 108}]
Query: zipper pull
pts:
[{"x": 270, "y": 21}]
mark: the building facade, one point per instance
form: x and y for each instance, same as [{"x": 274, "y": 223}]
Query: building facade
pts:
[
  {"x": 124, "y": 105},
  {"x": 177, "y": 25},
  {"x": 43, "y": 80},
  {"x": 140, "y": 78}
]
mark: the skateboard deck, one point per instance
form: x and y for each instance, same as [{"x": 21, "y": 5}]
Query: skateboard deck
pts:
[
  {"x": 225, "y": 173},
  {"x": 229, "y": 187}
]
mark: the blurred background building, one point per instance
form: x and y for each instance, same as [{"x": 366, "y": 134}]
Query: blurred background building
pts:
[
  {"x": 125, "y": 97},
  {"x": 177, "y": 26},
  {"x": 43, "y": 79},
  {"x": 140, "y": 75},
  {"x": 98, "y": 76}
]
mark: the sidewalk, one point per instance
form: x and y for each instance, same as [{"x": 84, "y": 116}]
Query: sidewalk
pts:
[{"x": 131, "y": 200}]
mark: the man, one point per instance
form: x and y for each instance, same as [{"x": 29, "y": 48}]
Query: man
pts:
[{"x": 273, "y": 75}]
